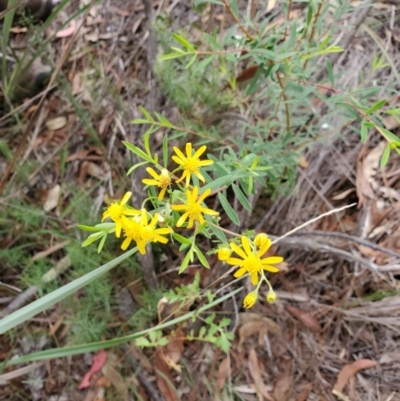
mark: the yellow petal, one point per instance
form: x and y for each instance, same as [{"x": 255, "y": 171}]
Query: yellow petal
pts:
[
  {"x": 235, "y": 261},
  {"x": 264, "y": 248},
  {"x": 203, "y": 163},
  {"x": 118, "y": 228},
  {"x": 206, "y": 210},
  {"x": 201, "y": 219},
  {"x": 177, "y": 160},
  {"x": 182, "y": 219},
  {"x": 191, "y": 222},
  {"x": 271, "y": 269},
  {"x": 238, "y": 250},
  {"x": 246, "y": 245},
  {"x": 272, "y": 260},
  {"x": 131, "y": 212},
  {"x": 187, "y": 178},
  {"x": 165, "y": 230},
  {"x": 199, "y": 152},
  {"x": 161, "y": 239},
  {"x": 204, "y": 195},
  {"x": 239, "y": 273},
  {"x": 179, "y": 153},
  {"x": 195, "y": 193},
  {"x": 199, "y": 176},
  {"x": 149, "y": 181},
  {"x": 254, "y": 278},
  {"x": 189, "y": 149},
  {"x": 126, "y": 243},
  {"x": 141, "y": 246},
  {"x": 161, "y": 194},
  {"x": 153, "y": 173},
  {"x": 178, "y": 207},
  {"x": 125, "y": 198}
]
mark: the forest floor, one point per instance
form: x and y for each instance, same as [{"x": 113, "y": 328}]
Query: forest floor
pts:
[{"x": 333, "y": 333}]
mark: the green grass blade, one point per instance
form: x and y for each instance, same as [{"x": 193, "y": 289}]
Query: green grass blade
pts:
[
  {"x": 80, "y": 349},
  {"x": 49, "y": 300}
]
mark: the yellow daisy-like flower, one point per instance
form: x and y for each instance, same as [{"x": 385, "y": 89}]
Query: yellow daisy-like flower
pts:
[
  {"x": 117, "y": 210},
  {"x": 162, "y": 180},
  {"x": 224, "y": 253},
  {"x": 251, "y": 262},
  {"x": 142, "y": 232},
  {"x": 193, "y": 208},
  {"x": 191, "y": 163},
  {"x": 250, "y": 299}
]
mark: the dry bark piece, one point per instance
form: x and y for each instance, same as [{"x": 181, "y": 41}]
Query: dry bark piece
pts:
[
  {"x": 308, "y": 320},
  {"x": 350, "y": 370}
]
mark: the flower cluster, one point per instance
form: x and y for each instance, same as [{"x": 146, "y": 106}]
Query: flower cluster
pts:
[
  {"x": 142, "y": 226},
  {"x": 180, "y": 204},
  {"x": 251, "y": 261}
]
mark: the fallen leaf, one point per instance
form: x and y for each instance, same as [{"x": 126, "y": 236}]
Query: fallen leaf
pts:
[
  {"x": 303, "y": 396},
  {"x": 68, "y": 31},
  {"x": 56, "y": 123},
  {"x": 53, "y": 197},
  {"x": 173, "y": 350},
  {"x": 253, "y": 323},
  {"x": 303, "y": 163},
  {"x": 223, "y": 373},
  {"x": 350, "y": 370},
  {"x": 390, "y": 357},
  {"x": 164, "y": 378},
  {"x": 308, "y": 320},
  {"x": 255, "y": 372},
  {"x": 284, "y": 381},
  {"x": 98, "y": 362},
  {"x": 391, "y": 122},
  {"x": 271, "y": 5},
  {"x": 115, "y": 378}
]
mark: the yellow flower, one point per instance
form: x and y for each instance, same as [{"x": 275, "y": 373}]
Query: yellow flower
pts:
[
  {"x": 224, "y": 253},
  {"x": 162, "y": 180},
  {"x": 261, "y": 240},
  {"x": 142, "y": 232},
  {"x": 191, "y": 164},
  {"x": 250, "y": 299},
  {"x": 251, "y": 262},
  {"x": 119, "y": 209},
  {"x": 271, "y": 296},
  {"x": 193, "y": 208}
]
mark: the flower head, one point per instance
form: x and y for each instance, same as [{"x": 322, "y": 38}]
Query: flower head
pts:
[
  {"x": 224, "y": 253},
  {"x": 162, "y": 180},
  {"x": 191, "y": 163},
  {"x": 250, "y": 299},
  {"x": 251, "y": 261},
  {"x": 261, "y": 240},
  {"x": 271, "y": 296},
  {"x": 193, "y": 208},
  {"x": 117, "y": 210},
  {"x": 143, "y": 232}
]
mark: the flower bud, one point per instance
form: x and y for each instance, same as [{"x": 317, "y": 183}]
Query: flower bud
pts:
[
  {"x": 262, "y": 240},
  {"x": 224, "y": 253},
  {"x": 250, "y": 299},
  {"x": 271, "y": 296}
]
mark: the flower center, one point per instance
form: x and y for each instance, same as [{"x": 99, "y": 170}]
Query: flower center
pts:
[
  {"x": 164, "y": 181},
  {"x": 115, "y": 211},
  {"x": 192, "y": 165},
  {"x": 252, "y": 264},
  {"x": 194, "y": 210},
  {"x": 147, "y": 234},
  {"x": 133, "y": 230}
]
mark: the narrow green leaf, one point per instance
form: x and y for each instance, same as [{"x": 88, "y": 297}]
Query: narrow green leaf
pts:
[
  {"x": 87, "y": 228},
  {"x": 234, "y": 8},
  {"x": 92, "y": 347},
  {"x": 329, "y": 69},
  {"x": 228, "y": 209},
  {"x": 182, "y": 239},
  {"x": 140, "y": 121},
  {"x": 385, "y": 156},
  {"x": 376, "y": 106},
  {"x": 203, "y": 260},
  {"x": 25, "y": 313},
  {"x": 241, "y": 197},
  {"x": 185, "y": 262},
  {"x": 309, "y": 15},
  {"x": 134, "y": 149},
  {"x": 101, "y": 243},
  {"x": 165, "y": 150},
  {"x": 192, "y": 60},
  {"x": 203, "y": 63},
  {"x": 170, "y": 56},
  {"x": 183, "y": 41},
  {"x": 390, "y": 136},
  {"x": 146, "y": 141},
  {"x": 364, "y": 131},
  {"x": 134, "y": 167},
  {"x": 163, "y": 120},
  {"x": 393, "y": 111},
  {"x": 146, "y": 113}
]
